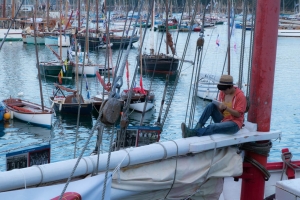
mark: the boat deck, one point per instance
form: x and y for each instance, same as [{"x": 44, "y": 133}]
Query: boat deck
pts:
[{"x": 247, "y": 134}]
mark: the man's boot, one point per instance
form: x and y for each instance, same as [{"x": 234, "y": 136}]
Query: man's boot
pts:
[
  {"x": 198, "y": 125},
  {"x": 186, "y": 132}
]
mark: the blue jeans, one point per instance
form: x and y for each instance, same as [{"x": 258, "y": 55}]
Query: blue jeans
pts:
[{"x": 212, "y": 110}]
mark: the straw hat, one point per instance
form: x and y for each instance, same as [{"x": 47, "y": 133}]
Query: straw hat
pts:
[{"x": 226, "y": 80}]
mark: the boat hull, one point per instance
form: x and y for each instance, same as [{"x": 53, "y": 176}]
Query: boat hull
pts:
[
  {"x": 52, "y": 69},
  {"x": 13, "y": 35},
  {"x": 123, "y": 43},
  {"x": 289, "y": 33},
  {"x": 88, "y": 70},
  {"x": 29, "y": 39},
  {"x": 51, "y": 40},
  {"x": 139, "y": 107},
  {"x": 94, "y": 42},
  {"x": 207, "y": 86},
  {"x": 71, "y": 108},
  {"x": 29, "y": 112},
  {"x": 138, "y": 99},
  {"x": 162, "y": 28},
  {"x": 159, "y": 64}
]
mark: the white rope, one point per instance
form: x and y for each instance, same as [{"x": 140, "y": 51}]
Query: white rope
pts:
[
  {"x": 117, "y": 169},
  {"x": 42, "y": 176},
  {"x": 23, "y": 178},
  {"x": 86, "y": 164},
  {"x": 119, "y": 165},
  {"x": 165, "y": 150},
  {"x": 175, "y": 172}
]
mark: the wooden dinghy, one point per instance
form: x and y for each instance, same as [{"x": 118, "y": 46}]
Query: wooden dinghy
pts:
[{"x": 29, "y": 112}]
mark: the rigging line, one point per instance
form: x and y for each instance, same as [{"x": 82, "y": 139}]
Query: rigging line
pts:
[
  {"x": 13, "y": 20},
  {"x": 115, "y": 84},
  {"x": 83, "y": 150},
  {"x": 190, "y": 29},
  {"x": 107, "y": 164},
  {"x": 188, "y": 103},
  {"x": 198, "y": 69},
  {"x": 126, "y": 107},
  {"x": 140, "y": 50},
  {"x": 37, "y": 58},
  {"x": 107, "y": 49},
  {"x": 99, "y": 141},
  {"x": 196, "y": 81},
  {"x": 81, "y": 154},
  {"x": 178, "y": 75},
  {"x": 206, "y": 176},
  {"x": 82, "y": 75},
  {"x": 162, "y": 101},
  {"x": 167, "y": 31},
  {"x": 242, "y": 54},
  {"x": 175, "y": 173},
  {"x": 200, "y": 44},
  {"x": 121, "y": 50},
  {"x": 156, "y": 59},
  {"x": 128, "y": 100},
  {"x": 251, "y": 48}
]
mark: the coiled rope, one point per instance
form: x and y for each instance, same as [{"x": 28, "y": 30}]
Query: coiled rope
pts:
[
  {"x": 261, "y": 149},
  {"x": 286, "y": 159}
]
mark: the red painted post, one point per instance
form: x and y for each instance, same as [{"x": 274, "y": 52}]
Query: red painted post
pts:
[
  {"x": 261, "y": 88},
  {"x": 263, "y": 63}
]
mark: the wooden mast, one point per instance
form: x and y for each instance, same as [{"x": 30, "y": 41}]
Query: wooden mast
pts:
[
  {"x": 97, "y": 15},
  {"x": 47, "y": 7},
  {"x": 78, "y": 15},
  {"x": 37, "y": 56},
  {"x": 152, "y": 30},
  {"x": 167, "y": 28},
  {"x": 4, "y": 9},
  {"x": 228, "y": 36},
  {"x": 12, "y": 9},
  {"x": 60, "y": 29}
]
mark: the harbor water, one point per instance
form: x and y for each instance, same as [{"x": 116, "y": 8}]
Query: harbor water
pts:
[{"x": 19, "y": 78}]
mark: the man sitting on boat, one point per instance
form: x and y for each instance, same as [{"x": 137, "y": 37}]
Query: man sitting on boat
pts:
[{"x": 227, "y": 113}]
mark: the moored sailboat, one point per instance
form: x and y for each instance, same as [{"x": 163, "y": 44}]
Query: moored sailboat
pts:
[
  {"x": 174, "y": 152},
  {"x": 29, "y": 112},
  {"x": 160, "y": 62},
  {"x": 26, "y": 110},
  {"x": 69, "y": 103}
]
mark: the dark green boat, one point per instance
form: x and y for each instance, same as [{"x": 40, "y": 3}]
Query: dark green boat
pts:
[{"x": 54, "y": 68}]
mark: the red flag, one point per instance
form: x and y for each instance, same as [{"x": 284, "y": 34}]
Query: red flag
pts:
[{"x": 59, "y": 78}]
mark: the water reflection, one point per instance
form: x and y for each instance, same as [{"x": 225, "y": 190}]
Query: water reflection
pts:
[
  {"x": 15, "y": 125},
  {"x": 65, "y": 124},
  {"x": 2, "y": 133}
]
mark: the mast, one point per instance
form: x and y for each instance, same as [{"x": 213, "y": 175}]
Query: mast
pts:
[
  {"x": 12, "y": 9},
  {"x": 48, "y": 14},
  {"x": 4, "y": 9},
  {"x": 167, "y": 28},
  {"x": 78, "y": 15},
  {"x": 60, "y": 29},
  {"x": 228, "y": 36},
  {"x": 97, "y": 15},
  {"x": 152, "y": 30},
  {"x": 37, "y": 56},
  {"x": 261, "y": 89}
]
